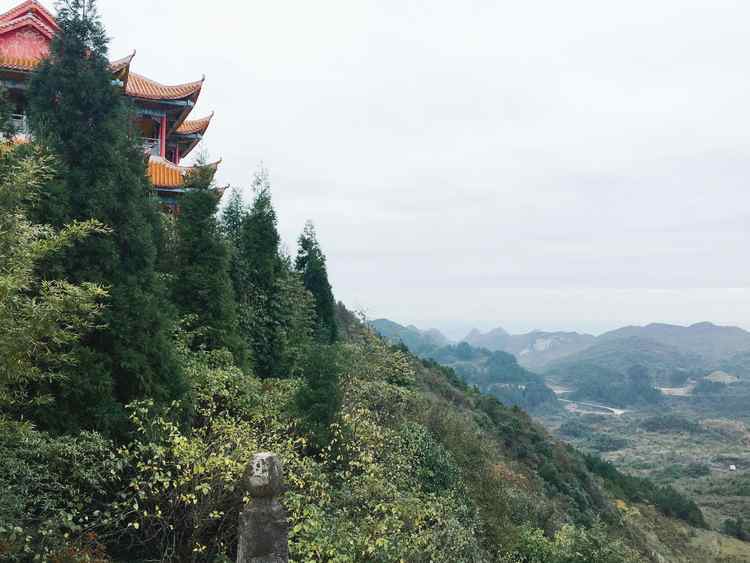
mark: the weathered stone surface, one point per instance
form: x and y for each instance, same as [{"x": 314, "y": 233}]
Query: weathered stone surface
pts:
[
  {"x": 265, "y": 476},
  {"x": 263, "y": 530}
]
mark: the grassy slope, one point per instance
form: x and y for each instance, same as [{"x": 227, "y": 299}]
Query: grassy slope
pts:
[{"x": 656, "y": 536}]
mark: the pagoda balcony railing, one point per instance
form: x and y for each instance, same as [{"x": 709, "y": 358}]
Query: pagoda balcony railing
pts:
[{"x": 152, "y": 146}]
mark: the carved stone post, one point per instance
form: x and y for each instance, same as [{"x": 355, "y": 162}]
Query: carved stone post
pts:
[{"x": 263, "y": 534}]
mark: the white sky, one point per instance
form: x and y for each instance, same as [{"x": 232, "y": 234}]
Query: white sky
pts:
[{"x": 535, "y": 164}]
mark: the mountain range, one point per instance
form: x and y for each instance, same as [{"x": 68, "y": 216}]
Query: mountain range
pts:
[
  {"x": 664, "y": 348},
  {"x": 535, "y": 349},
  {"x": 698, "y": 345}
]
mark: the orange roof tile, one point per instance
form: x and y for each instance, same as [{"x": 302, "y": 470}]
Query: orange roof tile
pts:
[
  {"x": 18, "y": 63},
  {"x": 167, "y": 175},
  {"x": 195, "y": 126},
  {"x": 164, "y": 174},
  {"x": 141, "y": 87}
]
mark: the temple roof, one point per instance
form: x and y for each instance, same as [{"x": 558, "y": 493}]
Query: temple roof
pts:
[
  {"x": 122, "y": 63},
  {"x": 18, "y": 63},
  {"x": 31, "y": 8},
  {"x": 141, "y": 87},
  {"x": 26, "y": 32},
  {"x": 198, "y": 126},
  {"x": 28, "y": 20},
  {"x": 121, "y": 69},
  {"x": 28, "y": 64},
  {"x": 166, "y": 175}
]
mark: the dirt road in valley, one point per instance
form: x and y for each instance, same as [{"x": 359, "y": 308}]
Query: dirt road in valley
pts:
[{"x": 575, "y": 406}]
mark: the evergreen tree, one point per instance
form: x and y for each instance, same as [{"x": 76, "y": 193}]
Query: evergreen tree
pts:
[
  {"x": 232, "y": 217},
  {"x": 276, "y": 311},
  {"x": 82, "y": 117},
  {"x": 256, "y": 268},
  {"x": 311, "y": 263},
  {"x": 319, "y": 398},
  {"x": 202, "y": 285},
  {"x": 294, "y": 311},
  {"x": 259, "y": 237}
]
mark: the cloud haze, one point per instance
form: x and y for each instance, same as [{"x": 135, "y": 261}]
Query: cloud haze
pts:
[{"x": 545, "y": 164}]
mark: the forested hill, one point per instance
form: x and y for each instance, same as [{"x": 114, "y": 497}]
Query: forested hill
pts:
[
  {"x": 496, "y": 373},
  {"x": 145, "y": 358},
  {"x": 418, "y": 341}
]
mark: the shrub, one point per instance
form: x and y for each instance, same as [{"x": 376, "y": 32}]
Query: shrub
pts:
[
  {"x": 319, "y": 397},
  {"x": 51, "y": 487},
  {"x": 575, "y": 429},
  {"x": 607, "y": 443},
  {"x": 671, "y": 423},
  {"x": 571, "y": 545}
]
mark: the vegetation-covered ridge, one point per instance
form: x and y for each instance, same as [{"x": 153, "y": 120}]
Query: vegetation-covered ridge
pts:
[
  {"x": 494, "y": 372},
  {"x": 144, "y": 359}
]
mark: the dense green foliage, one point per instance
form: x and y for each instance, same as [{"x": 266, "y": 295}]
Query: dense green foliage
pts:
[
  {"x": 311, "y": 264},
  {"x": 81, "y": 118},
  {"x": 40, "y": 320},
  {"x": 318, "y": 399},
  {"x": 637, "y": 489},
  {"x": 202, "y": 287},
  {"x": 737, "y": 528},
  {"x": 671, "y": 423},
  {"x": 276, "y": 311},
  {"x": 7, "y": 129},
  {"x": 738, "y": 364},
  {"x": 595, "y": 383},
  {"x": 496, "y": 373}
]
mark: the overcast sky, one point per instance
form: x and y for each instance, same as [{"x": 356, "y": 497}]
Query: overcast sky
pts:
[{"x": 538, "y": 164}]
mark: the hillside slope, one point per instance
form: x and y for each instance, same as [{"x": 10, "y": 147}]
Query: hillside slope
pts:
[
  {"x": 418, "y": 341},
  {"x": 497, "y": 373},
  {"x": 620, "y": 354}
]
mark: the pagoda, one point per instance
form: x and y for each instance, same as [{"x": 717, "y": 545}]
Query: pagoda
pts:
[{"x": 161, "y": 112}]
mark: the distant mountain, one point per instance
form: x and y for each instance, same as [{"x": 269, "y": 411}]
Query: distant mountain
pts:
[
  {"x": 534, "y": 350},
  {"x": 418, "y": 341},
  {"x": 494, "y": 372},
  {"x": 712, "y": 342},
  {"x": 619, "y": 355},
  {"x": 496, "y": 339},
  {"x": 497, "y": 373}
]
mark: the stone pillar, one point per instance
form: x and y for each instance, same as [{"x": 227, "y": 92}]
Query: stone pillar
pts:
[{"x": 263, "y": 533}]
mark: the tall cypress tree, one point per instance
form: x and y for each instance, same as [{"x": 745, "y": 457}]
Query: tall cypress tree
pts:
[
  {"x": 232, "y": 217},
  {"x": 202, "y": 285},
  {"x": 256, "y": 272},
  {"x": 311, "y": 263},
  {"x": 259, "y": 237},
  {"x": 82, "y": 117}
]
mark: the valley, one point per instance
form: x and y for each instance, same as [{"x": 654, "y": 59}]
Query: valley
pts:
[{"x": 668, "y": 403}]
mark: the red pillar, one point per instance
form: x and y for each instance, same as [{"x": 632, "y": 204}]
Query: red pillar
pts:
[
  {"x": 177, "y": 154},
  {"x": 163, "y": 137}
]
